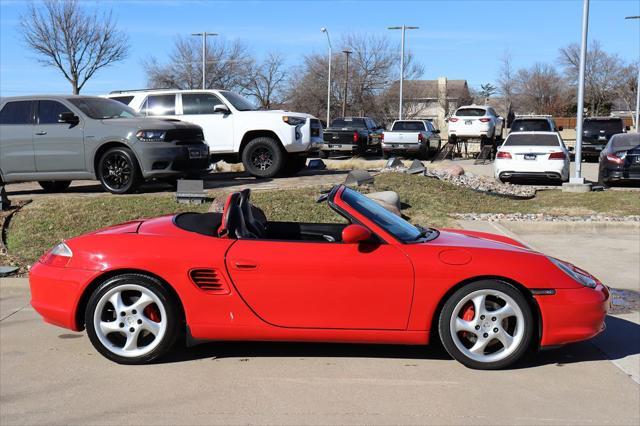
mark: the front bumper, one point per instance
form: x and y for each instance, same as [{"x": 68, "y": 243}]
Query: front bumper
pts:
[
  {"x": 56, "y": 293},
  {"x": 164, "y": 159},
  {"x": 572, "y": 315}
]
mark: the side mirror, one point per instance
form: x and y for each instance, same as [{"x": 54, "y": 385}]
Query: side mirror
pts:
[
  {"x": 627, "y": 128},
  {"x": 570, "y": 148},
  {"x": 354, "y": 234},
  {"x": 221, "y": 109},
  {"x": 68, "y": 117},
  {"x": 560, "y": 128}
]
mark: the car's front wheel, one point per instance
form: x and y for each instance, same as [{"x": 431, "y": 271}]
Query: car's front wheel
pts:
[
  {"x": 132, "y": 319},
  {"x": 118, "y": 171},
  {"x": 486, "y": 325},
  {"x": 263, "y": 157}
]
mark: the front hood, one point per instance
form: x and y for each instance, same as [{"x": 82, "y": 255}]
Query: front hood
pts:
[
  {"x": 478, "y": 240},
  {"x": 149, "y": 123}
]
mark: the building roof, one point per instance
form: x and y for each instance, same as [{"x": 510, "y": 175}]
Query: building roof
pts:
[{"x": 428, "y": 89}]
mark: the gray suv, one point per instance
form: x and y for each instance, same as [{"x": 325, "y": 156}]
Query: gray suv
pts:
[{"x": 57, "y": 139}]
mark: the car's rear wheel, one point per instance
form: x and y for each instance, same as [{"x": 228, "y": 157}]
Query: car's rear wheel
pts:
[
  {"x": 54, "y": 185},
  {"x": 118, "y": 171},
  {"x": 602, "y": 181},
  {"x": 132, "y": 319},
  {"x": 486, "y": 325}
]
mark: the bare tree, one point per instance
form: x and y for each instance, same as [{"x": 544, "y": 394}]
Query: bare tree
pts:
[
  {"x": 625, "y": 87},
  {"x": 77, "y": 43},
  {"x": 542, "y": 90},
  {"x": 507, "y": 81},
  {"x": 267, "y": 81},
  {"x": 228, "y": 66}
]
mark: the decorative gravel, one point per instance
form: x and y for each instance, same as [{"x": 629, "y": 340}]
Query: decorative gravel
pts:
[
  {"x": 484, "y": 184},
  {"x": 542, "y": 217}
]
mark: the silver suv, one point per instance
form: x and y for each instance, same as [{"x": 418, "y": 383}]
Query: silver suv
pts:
[{"x": 57, "y": 139}]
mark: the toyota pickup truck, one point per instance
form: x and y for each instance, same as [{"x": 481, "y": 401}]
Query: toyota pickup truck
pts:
[
  {"x": 351, "y": 135},
  {"x": 418, "y": 137}
]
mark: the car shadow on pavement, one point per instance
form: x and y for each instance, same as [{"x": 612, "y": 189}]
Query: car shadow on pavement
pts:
[{"x": 622, "y": 339}]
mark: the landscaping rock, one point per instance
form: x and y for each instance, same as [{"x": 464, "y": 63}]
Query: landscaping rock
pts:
[
  {"x": 390, "y": 200},
  {"x": 453, "y": 170},
  {"x": 482, "y": 184},
  {"x": 416, "y": 168}
]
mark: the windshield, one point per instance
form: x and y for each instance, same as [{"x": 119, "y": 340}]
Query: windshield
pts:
[
  {"x": 524, "y": 139},
  {"x": 352, "y": 123},
  {"x": 529, "y": 125},
  {"x": 411, "y": 126},
  {"x": 103, "y": 109},
  {"x": 606, "y": 126},
  {"x": 239, "y": 102},
  {"x": 395, "y": 225},
  {"x": 471, "y": 112}
]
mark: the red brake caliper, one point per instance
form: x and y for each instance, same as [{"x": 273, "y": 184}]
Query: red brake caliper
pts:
[
  {"x": 151, "y": 312},
  {"x": 468, "y": 313}
]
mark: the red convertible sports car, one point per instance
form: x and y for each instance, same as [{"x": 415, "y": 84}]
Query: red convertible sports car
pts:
[{"x": 138, "y": 286}]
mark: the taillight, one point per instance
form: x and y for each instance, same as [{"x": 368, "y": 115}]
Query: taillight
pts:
[
  {"x": 381, "y": 137},
  {"x": 485, "y": 120},
  {"x": 58, "y": 256},
  {"x": 503, "y": 155},
  {"x": 453, "y": 119},
  {"x": 557, "y": 156},
  {"x": 615, "y": 159},
  {"x": 420, "y": 137},
  {"x": 356, "y": 136}
]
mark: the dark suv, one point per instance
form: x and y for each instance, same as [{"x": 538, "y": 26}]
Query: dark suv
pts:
[
  {"x": 57, "y": 139},
  {"x": 596, "y": 132},
  {"x": 540, "y": 123}
]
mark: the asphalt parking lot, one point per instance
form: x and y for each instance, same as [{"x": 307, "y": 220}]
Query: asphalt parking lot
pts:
[{"x": 49, "y": 375}]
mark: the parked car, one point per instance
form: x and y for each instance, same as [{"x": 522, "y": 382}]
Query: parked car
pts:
[
  {"x": 57, "y": 139},
  {"x": 475, "y": 122},
  {"x": 411, "y": 137},
  {"x": 620, "y": 160},
  {"x": 534, "y": 123},
  {"x": 352, "y": 135},
  {"x": 532, "y": 155},
  {"x": 596, "y": 132},
  {"x": 268, "y": 142},
  {"x": 238, "y": 276}
]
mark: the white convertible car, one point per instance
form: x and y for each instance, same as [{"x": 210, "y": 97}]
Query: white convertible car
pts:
[{"x": 532, "y": 156}]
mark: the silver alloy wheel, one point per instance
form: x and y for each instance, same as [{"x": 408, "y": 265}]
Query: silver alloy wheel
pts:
[
  {"x": 496, "y": 329},
  {"x": 124, "y": 328}
]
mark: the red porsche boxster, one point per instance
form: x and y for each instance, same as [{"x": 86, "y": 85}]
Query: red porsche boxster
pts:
[{"x": 375, "y": 278}]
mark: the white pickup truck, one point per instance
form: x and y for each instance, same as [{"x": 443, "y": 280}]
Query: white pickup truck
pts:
[
  {"x": 268, "y": 142},
  {"x": 411, "y": 137}
]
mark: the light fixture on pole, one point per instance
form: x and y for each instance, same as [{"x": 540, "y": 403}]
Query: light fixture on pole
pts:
[
  {"x": 324, "y": 30},
  {"x": 403, "y": 28},
  {"x": 637, "y": 88},
  {"x": 346, "y": 80},
  {"x": 578, "y": 179},
  {"x": 204, "y": 55}
]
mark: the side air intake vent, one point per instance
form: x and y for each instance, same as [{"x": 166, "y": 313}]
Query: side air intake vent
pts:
[{"x": 209, "y": 280}]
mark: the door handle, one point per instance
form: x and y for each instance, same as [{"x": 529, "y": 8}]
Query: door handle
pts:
[
  {"x": 245, "y": 265},
  {"x": 41, "y": 133}
]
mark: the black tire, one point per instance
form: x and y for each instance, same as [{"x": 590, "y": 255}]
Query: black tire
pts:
[
  {"x": 423, "y": 153},
  {"x": 602, "y": 181},
  {"x": 118, "y": 171},
  {"x": 521, "y": 347},
  {"x": 385, "y": 154},
  {"x": 173, "y": 318},
  {"x": 54, "y": 185},
  {"x": 294, "y": 165},
  {"x": 263, "y": 157},
  {"x": 323, "y": 154}
]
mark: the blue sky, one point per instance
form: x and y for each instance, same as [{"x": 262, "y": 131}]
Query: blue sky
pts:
[{"x": 457, "y": 39}]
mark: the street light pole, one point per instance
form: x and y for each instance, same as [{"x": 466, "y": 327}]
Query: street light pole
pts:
[
  {"x": 403, "y": 28},
  {"x": 580, "y": 113},
  {"x": 637, "y": 88},
  {"x": 346, "y": 80},
  {"x": 324, "y": 30},
  {"x": 204, "y": 55}
]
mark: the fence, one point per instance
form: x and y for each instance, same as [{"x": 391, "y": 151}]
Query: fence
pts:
[{"x": 570, "y": 122}]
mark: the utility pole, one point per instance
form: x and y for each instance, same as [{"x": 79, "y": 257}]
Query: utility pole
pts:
[
  {"x": 580, "y": 116},
  {"x": 324, "y": 30},
  {"x": 346, "y": 80},
  {"x": 637, "y": 88},
  {"x": 403, "y": 28},
  {"x": 204, "y": 55}
]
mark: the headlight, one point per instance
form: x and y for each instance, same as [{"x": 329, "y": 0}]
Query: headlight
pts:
[
  {"x": 576, "y": 273},
  {"x": 294, "y": 121},
  {"x": 58, "y": 256},
  {"x": 151, "y": 135}
]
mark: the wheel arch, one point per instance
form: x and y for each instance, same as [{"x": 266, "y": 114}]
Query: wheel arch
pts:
[
  {"x": 533, "y": 304},
  {"x": 97, "y": 281},
  {"x": 253, "y": 134}
]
